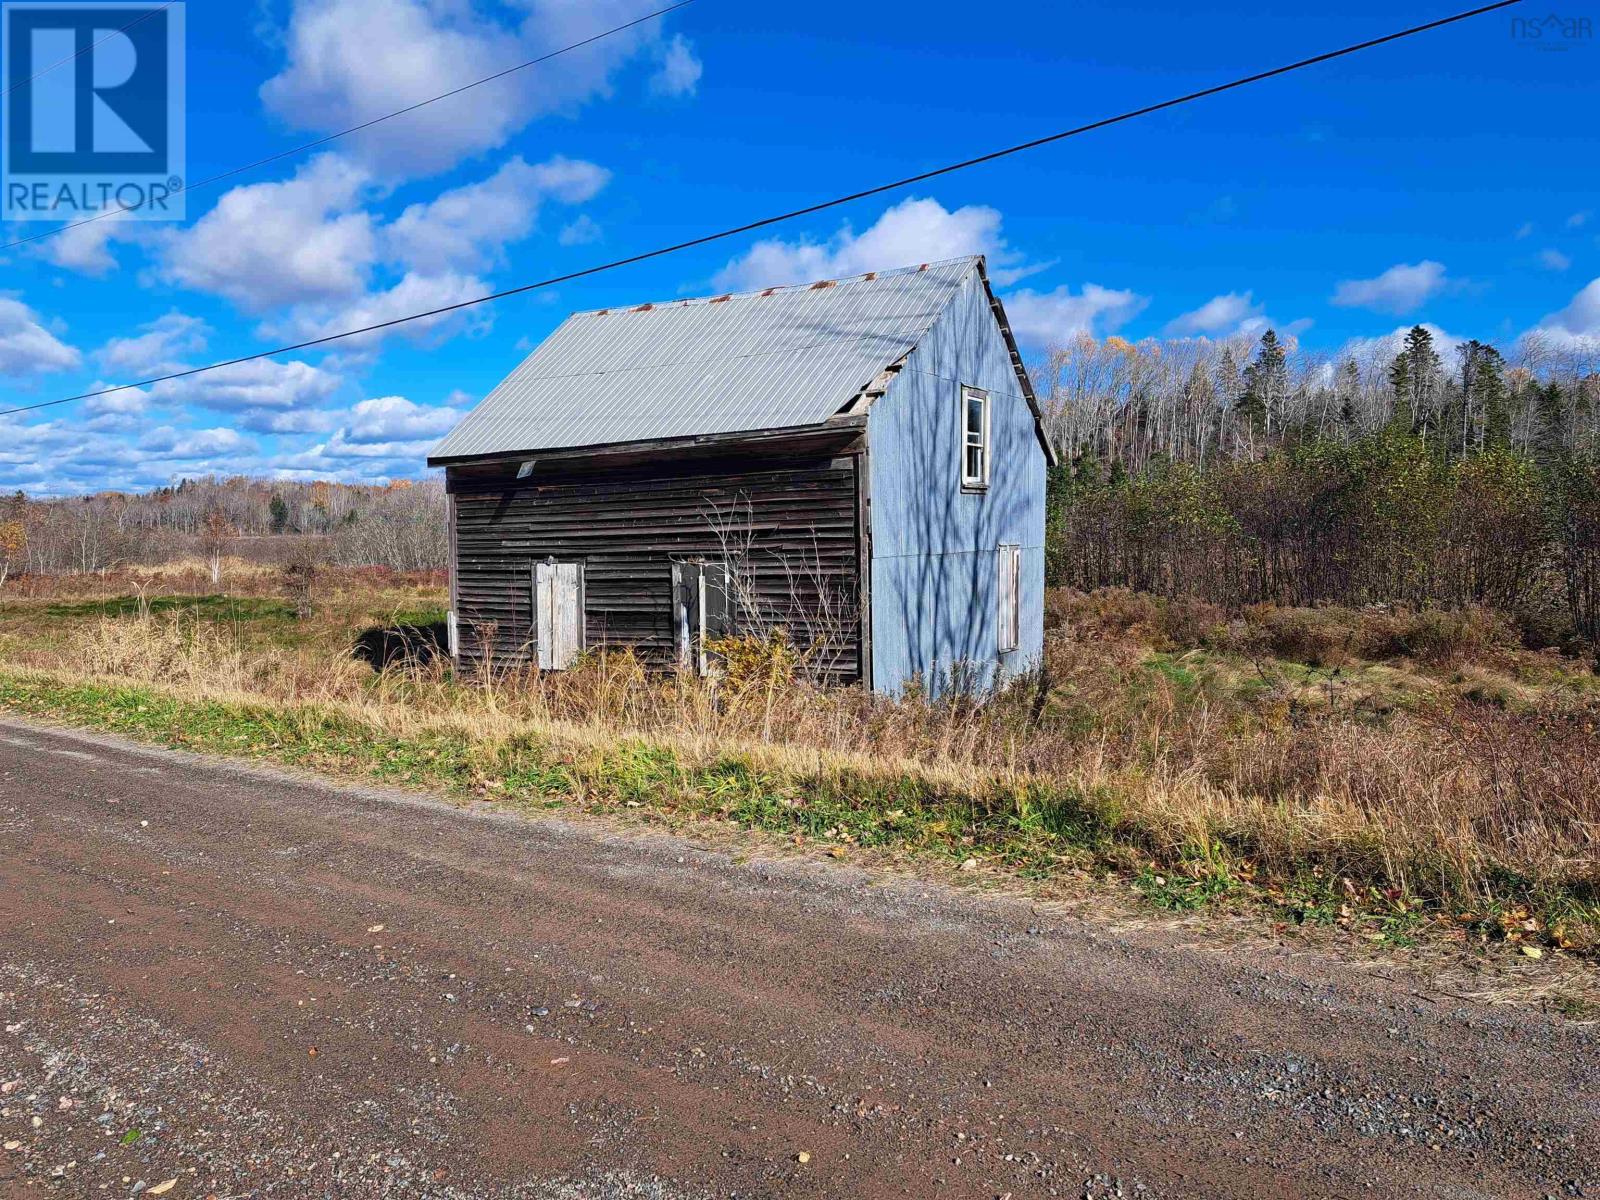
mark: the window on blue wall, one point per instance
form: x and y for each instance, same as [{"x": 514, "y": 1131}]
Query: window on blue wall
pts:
[
  {"x": 974, "y": 438},
  {"x": 1010, "y": 596}
]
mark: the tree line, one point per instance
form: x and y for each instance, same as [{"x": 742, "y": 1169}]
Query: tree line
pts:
[
  {"x": 400, "y": 525},
  {"x": 1199, "y": 400},
  {"x": 1247, "y": 474}
]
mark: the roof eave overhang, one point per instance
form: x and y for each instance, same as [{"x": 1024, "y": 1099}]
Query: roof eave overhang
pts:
[
  {"x": 1026, "y": 383},
  {"x": 841, "y": 426}
]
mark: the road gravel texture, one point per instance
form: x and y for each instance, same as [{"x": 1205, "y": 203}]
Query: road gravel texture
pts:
[{"x": 219, "y": 981}]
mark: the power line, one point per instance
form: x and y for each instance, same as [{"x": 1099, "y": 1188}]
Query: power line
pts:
[
  {"x": 144, "y": 16},
  {"x": 788, "y": 216},
  {"x": 331, "y": 137}
]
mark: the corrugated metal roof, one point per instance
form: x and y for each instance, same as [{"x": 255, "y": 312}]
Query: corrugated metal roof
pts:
[{"x": 760, "y": 360}]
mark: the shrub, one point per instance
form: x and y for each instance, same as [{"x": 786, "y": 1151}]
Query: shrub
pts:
[{"x": 1385, "y": 519}]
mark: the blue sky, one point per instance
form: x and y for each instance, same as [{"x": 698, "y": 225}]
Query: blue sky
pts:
[{"x": 1452, "y": 178}]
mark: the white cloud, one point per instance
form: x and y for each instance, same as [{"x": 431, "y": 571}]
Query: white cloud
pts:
[
  {"x": 35, "y": 455},
  {"x": 335, "y": 457},
  {"x": 157, "y": 349},
  {"x": 86, "y": 247},
  {"x": 1577, "y": 326},
  {"x": 1579, "y": 219},
  {"x": 1554, "y": 260},
  {"x": 1526, "y": 230},
  {"x": 304, "y": 250},
  {"x": 263, "y": 383},
  {"x": 385, "y": 437},
  {"x": 1383, "y": 348},
  {"x": 26, "y": 346},
  {"x": 569, "y": 180},
  {"x": 72, "y": 456},
  {"x": 416, "y": 292},
  {"x": 352, "y": 60},
  {"x": 394, "y": 418},
  {"x": 166, "y": 442},
  {"x": 271, "y": 244},
  {"x": 1398, "y": 290},
  {"x": 467, "y": 228},
  {"x": 300, "y": 420},
  {"x": 580, "y": 232},
  {"x": 1053, "y": 318},
  {"x": 265, "y": 395},
  {"x": 342, "y": 445},
  {"x": 680, "y": 71},
  {"x": 1228, "y": 313},
  {"x": 913, "y": 231},
  {"x": 119, "y": 409}
]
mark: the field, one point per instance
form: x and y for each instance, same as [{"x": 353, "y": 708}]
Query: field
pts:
[{"x": 1394, "y": 776}]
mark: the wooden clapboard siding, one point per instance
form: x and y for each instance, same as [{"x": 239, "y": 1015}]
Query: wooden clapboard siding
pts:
[{"x": 794, "y": 518}]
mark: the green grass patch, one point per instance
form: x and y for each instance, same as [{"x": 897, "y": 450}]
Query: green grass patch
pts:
[
  {"x": 419, "y": 617},
  {"x": 209, "y": 608},
  {"x": 1184, "y": 893}
]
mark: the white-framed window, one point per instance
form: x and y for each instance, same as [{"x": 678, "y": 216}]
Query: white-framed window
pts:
[
  {"x": 974, "y": 439},
  {"x": 1010, "y": 597}
]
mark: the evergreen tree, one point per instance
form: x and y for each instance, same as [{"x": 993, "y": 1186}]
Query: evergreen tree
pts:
[
  {"x": 1421, "y": 378},
  {"x": 1485, "y": 417},
  {"x": 1346, "y": 392},
  {"x": 279, "y": 515},
  {"x": 1404, "y": 416},
  {"x": 1252, "y": 405},
  {"x": 1266, "y": 386},
  {"x": 1270, "y": 374},
  {"x": 1488, "y": 392},
  {"x": 1085, "y": 471},
  {"x": 1552, "y": 442}
]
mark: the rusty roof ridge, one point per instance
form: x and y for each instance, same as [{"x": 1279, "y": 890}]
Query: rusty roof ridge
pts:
[{"x": 776, "y": 290}]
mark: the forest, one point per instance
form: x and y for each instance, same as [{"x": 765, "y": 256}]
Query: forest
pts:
[
  {"x": 1242, "y": 473},
  {"x": 400, "y": 525}
]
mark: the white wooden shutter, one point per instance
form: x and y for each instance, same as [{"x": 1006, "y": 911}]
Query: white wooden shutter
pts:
[
  {"x": 715, "y": 608},
  {"x": 701, "y": 611},
  {"x": 1010, "y": 590},
  {"x": 685, "y": 611},
  {"x": 558, "y": 607},
  {"x": 544, "y": 590}
]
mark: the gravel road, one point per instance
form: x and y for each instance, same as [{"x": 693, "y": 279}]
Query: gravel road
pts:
[{"x": 254, "y": 985}]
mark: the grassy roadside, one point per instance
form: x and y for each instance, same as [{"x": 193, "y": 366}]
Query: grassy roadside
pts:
[{"x": 1047, "y": 833}]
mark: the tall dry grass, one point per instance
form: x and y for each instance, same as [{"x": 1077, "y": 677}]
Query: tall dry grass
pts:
[
  {"x": 191, "y": 576},
  {"x": 1443, "y": 795}
]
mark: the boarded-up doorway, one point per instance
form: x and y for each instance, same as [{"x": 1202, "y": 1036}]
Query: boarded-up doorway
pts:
[{"x": 558, "y": 603}]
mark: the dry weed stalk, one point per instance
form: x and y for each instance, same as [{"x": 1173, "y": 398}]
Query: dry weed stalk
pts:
[{"x": 1458, "y": 792}]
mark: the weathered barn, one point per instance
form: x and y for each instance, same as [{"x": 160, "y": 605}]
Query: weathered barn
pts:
[{"x": 857, "y": 461}]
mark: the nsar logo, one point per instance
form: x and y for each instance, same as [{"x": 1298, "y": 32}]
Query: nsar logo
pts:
[
  {"x": 1552, "y": 32},
  {"x": 94, "y": 110}
]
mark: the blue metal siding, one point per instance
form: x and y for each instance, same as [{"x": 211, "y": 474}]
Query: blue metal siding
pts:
[{"x": 934, "y": 596}]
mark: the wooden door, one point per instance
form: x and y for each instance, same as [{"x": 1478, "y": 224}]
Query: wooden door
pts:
[{"x": 559, "y": 607}]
